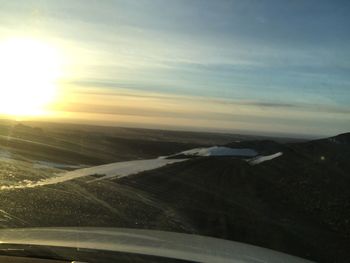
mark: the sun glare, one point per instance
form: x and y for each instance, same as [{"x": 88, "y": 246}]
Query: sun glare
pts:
[{"x": 29, "y": 70}]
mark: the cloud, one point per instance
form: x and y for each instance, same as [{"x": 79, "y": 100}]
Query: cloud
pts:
[
  {"x": 200, "y": 61},
  {"x": 123, "y": 105}
]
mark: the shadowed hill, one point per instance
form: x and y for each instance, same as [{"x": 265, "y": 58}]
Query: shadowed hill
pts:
[{"x": 296, "y": 203}]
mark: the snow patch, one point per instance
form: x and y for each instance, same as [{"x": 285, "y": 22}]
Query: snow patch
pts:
[
  {"x": 121, "y": 169},
  {"x": 261, "y": 159},
  {"x": 219, "y": 151},
  {"x": 118, "y": 170}
]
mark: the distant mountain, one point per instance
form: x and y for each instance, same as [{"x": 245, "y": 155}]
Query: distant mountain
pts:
[{"x": 297, "y": 202}]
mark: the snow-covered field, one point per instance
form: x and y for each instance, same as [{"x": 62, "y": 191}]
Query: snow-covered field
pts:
[
  {"x": 121, "y": 169},
  {"x": 118, "y": 170},
  {"x": 219, "y": 151}
]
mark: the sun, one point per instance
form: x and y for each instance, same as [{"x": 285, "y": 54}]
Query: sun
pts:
[{"x": 29, "y": 71}]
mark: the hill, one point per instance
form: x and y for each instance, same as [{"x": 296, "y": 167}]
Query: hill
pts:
[{"x": 298, "y": 203}]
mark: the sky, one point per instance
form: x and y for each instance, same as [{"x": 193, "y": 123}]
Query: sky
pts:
[{"x": 277, "y": 67}]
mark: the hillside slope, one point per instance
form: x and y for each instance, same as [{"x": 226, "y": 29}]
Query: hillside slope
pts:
[{"x": 298, "y": 203}]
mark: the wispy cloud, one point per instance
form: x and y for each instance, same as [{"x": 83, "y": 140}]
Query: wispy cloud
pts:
[
  {"x": 262, "y": 65},
  {"x": 158, "y": 110}
]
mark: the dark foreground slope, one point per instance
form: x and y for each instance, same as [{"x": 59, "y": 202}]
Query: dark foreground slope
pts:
[{"x": 298, "y": 203}]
